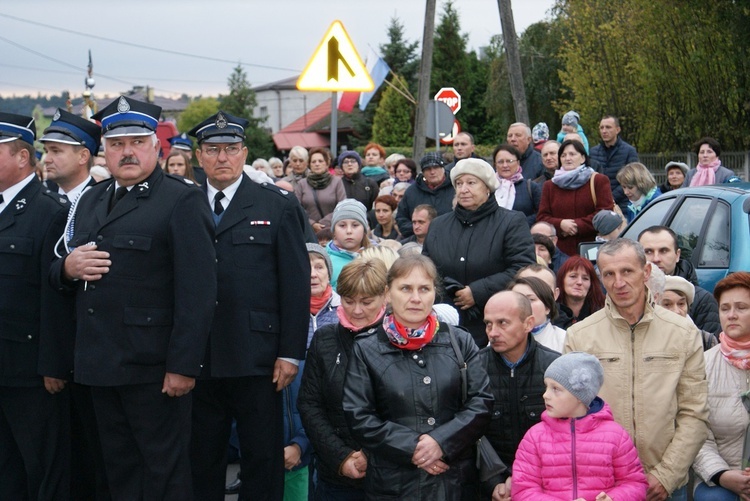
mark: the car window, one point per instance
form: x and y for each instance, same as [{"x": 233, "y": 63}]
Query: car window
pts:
[
  {"x": 652, "y": 216},
  {"x": 688, "y": 224},
  {"x": 716, "y": 244}
]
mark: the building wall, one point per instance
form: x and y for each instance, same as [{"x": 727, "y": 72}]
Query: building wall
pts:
[{"x": 285, "y": 106}]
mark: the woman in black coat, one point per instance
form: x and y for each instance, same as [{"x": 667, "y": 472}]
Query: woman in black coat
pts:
[
  {"x": 479, "y": 247},
  {"x": 341, "y": 462},
  {"x": 403, "y": 396}
]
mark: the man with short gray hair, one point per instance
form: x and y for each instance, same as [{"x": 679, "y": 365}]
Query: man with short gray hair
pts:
[
  {"x": 654, "y": 374},
  {"x": 519, "y": 135}
]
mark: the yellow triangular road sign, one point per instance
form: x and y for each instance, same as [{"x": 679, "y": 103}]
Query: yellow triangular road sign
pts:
[{"x": 335, "y": 65}]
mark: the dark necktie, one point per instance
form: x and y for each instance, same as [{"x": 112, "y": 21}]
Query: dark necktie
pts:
[
  {"x": 119, "y": 194},
  {"x": 1, "y": 198},
  {"x": 218, "y": 208}
]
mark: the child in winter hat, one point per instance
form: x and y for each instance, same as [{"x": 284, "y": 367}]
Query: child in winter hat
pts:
[{"x": 578, "y": 451}]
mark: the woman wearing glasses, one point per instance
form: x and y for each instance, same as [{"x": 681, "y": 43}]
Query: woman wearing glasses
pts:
[
  {"x": 320, "y": 191},
  {"x": 515, "y": 192}
]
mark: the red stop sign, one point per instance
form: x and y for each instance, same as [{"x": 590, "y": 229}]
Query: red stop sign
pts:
[{"x": 451, "y": 97}]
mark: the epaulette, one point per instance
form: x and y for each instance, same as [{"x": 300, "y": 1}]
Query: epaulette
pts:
[
  {"x": 60, "y": 199},
  {"x": 181, "y": 179},
  {"x": 272, "y": 187}
]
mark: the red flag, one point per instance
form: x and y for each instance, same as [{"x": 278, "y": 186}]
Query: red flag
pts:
[{"x": 347, "y": 101}]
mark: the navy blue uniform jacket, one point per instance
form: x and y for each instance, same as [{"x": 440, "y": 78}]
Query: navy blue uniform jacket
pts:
[
  {"x": 263, "y": 306},
  {"x": 35, "y": 321},
  {"x": 151, "y": 313}
]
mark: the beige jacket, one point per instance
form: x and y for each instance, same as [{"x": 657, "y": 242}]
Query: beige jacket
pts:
[
  {"x": 727, "y": 418},
  {"x": 655, "y": 383}
]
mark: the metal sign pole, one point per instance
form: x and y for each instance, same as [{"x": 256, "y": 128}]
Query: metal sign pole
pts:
[
  {"x": 437, "y": 127},
  {"x": 334, "y": 123}
]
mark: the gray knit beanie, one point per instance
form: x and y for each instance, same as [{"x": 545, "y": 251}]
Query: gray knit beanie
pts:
[
  {"x": 579, "y": 373},
  {"x": 350, "y": 208},
  {"x": 319, "y": 249}
]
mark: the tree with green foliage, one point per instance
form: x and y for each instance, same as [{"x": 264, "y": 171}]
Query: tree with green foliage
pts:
[
  {"x": 401, "y": 54},
  {"x": 670, "y": 78},
  {"x": 240, "y": 102},
  {"x": 401, "y": 57},
  {"x": 450, "y": 63},
  {"x": 453, "y": 67},
  {"x": 196, "y": 112},
  {"x": 539, "y": 46},
  {"x": 392, "y": 123}
]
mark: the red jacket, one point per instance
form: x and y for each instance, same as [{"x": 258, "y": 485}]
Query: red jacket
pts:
[
  {"x": 578, "y": 458},
  {"x": 558, "y": 204}
]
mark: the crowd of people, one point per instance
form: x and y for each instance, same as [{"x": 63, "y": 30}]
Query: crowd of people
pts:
[{"x": 357, "y": 325}]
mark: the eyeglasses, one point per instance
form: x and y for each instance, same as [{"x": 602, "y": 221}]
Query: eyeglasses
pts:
[
  {"x": 348, "y": 161},
  {"x": 213, "y": 151},
  {"x": 505, "y": 162}
]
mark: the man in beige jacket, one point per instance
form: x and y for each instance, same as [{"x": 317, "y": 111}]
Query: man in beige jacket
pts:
[{"x": 654, "y": 374}]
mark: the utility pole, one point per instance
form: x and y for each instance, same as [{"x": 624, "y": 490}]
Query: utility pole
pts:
[
  {"x": 513, "y": 57},
  {"x": 425, "y": 70}
]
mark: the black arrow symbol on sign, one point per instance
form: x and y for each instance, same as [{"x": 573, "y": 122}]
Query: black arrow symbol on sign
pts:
[{"x": 334, "y": 56}]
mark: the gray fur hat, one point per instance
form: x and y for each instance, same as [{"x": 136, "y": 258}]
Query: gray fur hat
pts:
[{"x": 579, "y": 373}]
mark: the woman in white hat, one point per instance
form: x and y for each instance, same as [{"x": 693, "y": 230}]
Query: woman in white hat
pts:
[{"x": 479, "y": 246}]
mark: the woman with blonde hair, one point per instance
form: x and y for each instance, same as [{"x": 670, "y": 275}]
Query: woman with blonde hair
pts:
[
  {"x": 639, "y": 186},
  {"x": 342, "y": 462}
]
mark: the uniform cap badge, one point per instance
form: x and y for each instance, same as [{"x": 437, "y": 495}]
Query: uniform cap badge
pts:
[
  {"x": 57, "y": 116},
  {"x": 122, "y": 105},
  {"x": 221, "y": 121}
]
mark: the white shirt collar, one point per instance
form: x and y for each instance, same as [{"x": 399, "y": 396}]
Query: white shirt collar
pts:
[
  {"x": 11, "y": 193},
  {"x": 75, "y": 192},
  {"x": 229, "y": 192}
]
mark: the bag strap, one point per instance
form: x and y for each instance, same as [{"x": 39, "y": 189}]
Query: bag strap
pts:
[
  {"x": 593, "y": 191},
  {"x": 528, "y": 189},
  {"x": 461, "y": 363},
  {"x": 317, "y": 204}
]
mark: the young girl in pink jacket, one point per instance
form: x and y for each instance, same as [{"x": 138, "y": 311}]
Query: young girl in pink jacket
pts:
[{"x": 578, "y": 452}]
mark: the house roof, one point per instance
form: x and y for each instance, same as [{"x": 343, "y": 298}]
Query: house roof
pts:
[
  {"x": 312, "y": 129},
  {"x": 168, "y": 105},
  {"x": 285, "y": 84}
]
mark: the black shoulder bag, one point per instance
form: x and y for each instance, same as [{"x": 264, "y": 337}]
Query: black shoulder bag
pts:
[{"x": 488, "y": 462}]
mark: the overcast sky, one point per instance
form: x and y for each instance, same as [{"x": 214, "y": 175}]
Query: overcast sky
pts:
[{"x": 275, "y": 38}]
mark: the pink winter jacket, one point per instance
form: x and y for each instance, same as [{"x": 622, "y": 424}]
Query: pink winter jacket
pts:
[{"x": 578, "y": 458}]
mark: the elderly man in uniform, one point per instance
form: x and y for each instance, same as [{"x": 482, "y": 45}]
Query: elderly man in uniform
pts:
[
  {"x": 259, "y": 331},
  {"x": 34, "y": 403},
  {"x": 143, "y": 269}
]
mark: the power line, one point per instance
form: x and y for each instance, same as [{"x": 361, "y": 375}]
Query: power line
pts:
[
  {"x": 146, "y": 47},
  {"x": 49, "y": 58},
  {"x": 47, "y": 70}
]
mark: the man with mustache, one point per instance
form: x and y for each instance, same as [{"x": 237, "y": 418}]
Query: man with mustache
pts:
[{"x": 142, "y": 265}]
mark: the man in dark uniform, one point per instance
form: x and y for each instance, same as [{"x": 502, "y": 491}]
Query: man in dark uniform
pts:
[
  {"x": 143, "y": 268},
  {"x": 70, "y": 143},
  {"x": 34, "y": 403},
  {"x": 259, "y": 331}
]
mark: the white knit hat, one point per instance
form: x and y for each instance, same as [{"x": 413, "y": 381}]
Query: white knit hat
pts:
[{"x": 476, "y": 167}]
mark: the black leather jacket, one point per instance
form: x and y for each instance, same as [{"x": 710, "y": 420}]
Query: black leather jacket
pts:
[
  {"x": 393, "y": 395},
  {"x": 319, "y": 401}
]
